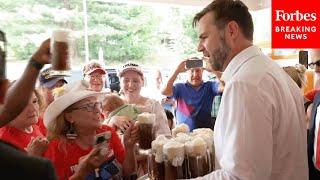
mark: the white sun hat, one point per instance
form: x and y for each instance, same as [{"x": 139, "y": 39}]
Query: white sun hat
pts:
[{"x": 64, "y": 97}]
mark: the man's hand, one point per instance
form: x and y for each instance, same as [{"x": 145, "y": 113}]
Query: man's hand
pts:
[
  {"x": 181, "y": 67},
  {"x": 168, "y": 88},
  {"x": 42, "y": 55}
]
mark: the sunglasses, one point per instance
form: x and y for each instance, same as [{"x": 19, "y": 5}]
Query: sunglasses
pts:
[{"x": 314, "y": 64}]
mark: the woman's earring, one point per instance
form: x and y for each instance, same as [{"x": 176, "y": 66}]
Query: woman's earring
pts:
[{"x": 71, "y": 133}]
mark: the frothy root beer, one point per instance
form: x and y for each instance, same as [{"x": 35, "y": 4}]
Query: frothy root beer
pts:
[
  {"x": 145, "y": 122},
  {"x": 196, "y": 151},
  {"x": 61, "y": 52},
  {"x": 174, "y": 159},
  {"x": 60, "y": 56}
]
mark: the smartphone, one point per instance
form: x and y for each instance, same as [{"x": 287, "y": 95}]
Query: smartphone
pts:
[
  {"x": 303, "y": 58},
  {"x": 102, "y": 137},
  {"x": 194, "y": 63}
]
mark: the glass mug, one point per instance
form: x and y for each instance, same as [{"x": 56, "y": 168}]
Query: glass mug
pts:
[
  {"x": 61, "y": 51},
  {"x": 145, "y": 123},
  {"x": 155, "y": 169}
]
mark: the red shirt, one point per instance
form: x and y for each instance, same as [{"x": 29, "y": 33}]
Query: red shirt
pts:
[
  {"x": 17, "y": 137},
  {"x": 65, "y": 157},
  {"x": 43, "y": 129}
]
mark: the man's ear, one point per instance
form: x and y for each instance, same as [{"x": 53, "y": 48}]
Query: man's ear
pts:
[{"x": 232, "y": 30}]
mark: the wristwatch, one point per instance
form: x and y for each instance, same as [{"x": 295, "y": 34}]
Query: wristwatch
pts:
[{"x": 36, "y": 64}]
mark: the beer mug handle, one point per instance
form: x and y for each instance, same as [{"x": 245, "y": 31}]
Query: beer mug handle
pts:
[
  {"x": 209, "y": 160},
  {"x": 150, "y": 174}
]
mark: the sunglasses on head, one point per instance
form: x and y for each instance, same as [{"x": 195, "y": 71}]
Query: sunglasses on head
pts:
[{"x": 314, "y": 64}]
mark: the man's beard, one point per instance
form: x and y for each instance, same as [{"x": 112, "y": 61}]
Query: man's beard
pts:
[{"x": 220, "y": 55}]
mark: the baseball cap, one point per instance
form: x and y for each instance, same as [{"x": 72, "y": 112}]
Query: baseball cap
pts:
[
  {"x": 49, "y": 81},
  {"x": 93, "y": 66},
  {"x": 130, "y": 66}
]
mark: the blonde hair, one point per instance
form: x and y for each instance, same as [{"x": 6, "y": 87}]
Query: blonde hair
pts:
[
  {"x": 58, "y": 128},
  {"x": 41, "y": 101},
  {"x": 297, "y": 73},
  {"x": 111, "y": 102}
]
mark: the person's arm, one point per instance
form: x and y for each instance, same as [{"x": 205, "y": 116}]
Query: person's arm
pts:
[
  {"x": 87, "y": 164},
  {"x": 18, "y": 95},
  {"x": 168, "y": 88},
  {"x": 246, "y": 135},
  {"x": 161, "y": 123}
]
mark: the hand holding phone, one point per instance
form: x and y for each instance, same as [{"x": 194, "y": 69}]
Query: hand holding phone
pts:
[
  {"x": 303, "y": 58},
  {"x": 102, "y": 137},
  {"x": 102, "y": 141},
  {"x": 194, "y": 63}
]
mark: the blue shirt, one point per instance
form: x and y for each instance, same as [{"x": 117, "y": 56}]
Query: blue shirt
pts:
[{"x": 194, "y": 105}]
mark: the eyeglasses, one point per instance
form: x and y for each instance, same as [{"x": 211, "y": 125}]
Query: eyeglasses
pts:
[
  {"x": 314, "y": 64},
  {"x": 89, "y": 107}
]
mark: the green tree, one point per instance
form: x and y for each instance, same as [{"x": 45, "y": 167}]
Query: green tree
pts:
[{"x": 124, "y": 31}]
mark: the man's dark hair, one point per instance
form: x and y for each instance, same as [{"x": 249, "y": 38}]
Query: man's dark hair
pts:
[{"x": 225, "y": 11}]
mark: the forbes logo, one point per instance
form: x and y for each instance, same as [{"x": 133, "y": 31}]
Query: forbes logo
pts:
[{"x": 281, "y": 15}]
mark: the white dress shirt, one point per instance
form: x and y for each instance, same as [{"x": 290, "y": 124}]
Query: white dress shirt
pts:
[{"x": 260, "y": 132}]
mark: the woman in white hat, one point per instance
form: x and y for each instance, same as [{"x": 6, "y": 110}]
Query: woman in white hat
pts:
[
  {"x": 73, "y": 121},
  {"x": 131, "y": 82}
]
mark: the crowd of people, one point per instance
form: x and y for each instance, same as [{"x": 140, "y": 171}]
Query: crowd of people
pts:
[{"x": 265, "y": 127}]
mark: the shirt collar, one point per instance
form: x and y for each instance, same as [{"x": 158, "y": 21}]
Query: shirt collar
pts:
[
  {"x": 237, "y": 61},
  {"x": 190, "y": 85}
]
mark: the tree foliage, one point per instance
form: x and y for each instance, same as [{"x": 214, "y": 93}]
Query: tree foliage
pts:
[{"x": 124, "y": 31}]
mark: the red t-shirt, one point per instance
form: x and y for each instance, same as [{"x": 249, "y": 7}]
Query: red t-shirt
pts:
[
  {"x": 43, "y": 129},
  {"x": 65, "y": 157},
  {"x": 17, "y": 137}
]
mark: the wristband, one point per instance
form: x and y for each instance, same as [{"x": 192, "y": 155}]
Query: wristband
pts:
[{"x": 36, "y": 64}]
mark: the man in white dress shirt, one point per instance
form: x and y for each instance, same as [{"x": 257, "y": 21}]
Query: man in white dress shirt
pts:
[{"x": 260, "y": 131}]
